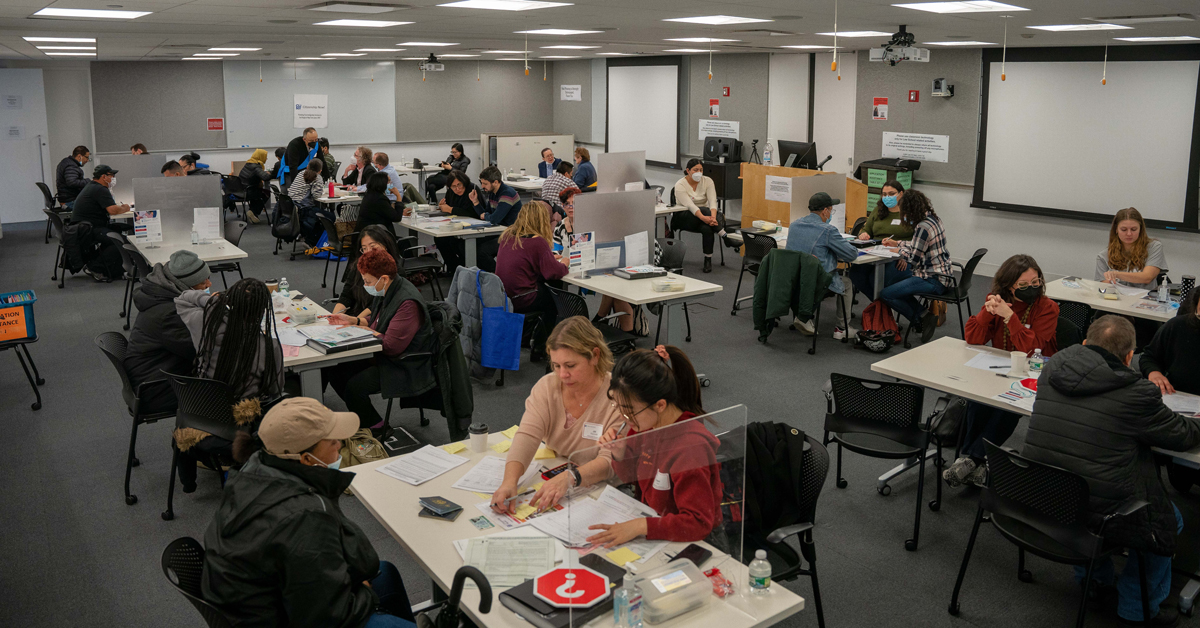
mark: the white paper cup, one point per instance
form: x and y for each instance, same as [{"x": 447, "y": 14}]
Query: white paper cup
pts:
[
  {"x": 1020, "y": 364},
  {"x": 479, "y": 437}
]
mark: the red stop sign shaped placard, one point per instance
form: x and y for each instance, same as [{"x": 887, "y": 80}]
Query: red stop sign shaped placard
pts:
[{"x": 578, "y": 587}]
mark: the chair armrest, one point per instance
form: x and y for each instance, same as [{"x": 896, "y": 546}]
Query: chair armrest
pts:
[
  {"x": 516, "y": 296},
  {"x": 413, "y": 356},
  {"x": 345, "y": 245},
  {"x": 421, "y": 248},
  {"x": 782, "y": 533},
  {"x": 1127, "y": 508},
  {"x": 613, "y": 315},
  {"x": 405, "y": 239}
]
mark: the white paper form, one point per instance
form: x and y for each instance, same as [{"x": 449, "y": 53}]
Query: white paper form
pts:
[
  {"x": 985, "y": 362},
  {"x": 509, "y": 561},
  {"x": 332, "y": 334},
  {"x": 1183, "y": 404},
  {"x": 206, "y": 222},
  {"x": 608, "y": 257},
  {"x": 560, "y": 552},
  {"x": 289, "y": 337},
  {"x": 422, "y": 465},
  {"x": 487, "y": 476},
  {"x": 880, "y": 251},
  {"x": 571, "y": 524},
  {"x": 637, "y": 252}
]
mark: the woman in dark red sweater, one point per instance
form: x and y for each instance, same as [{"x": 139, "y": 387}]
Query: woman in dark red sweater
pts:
[
  {"x": 1017, "y": 316},
  {"x": 674, "y": 460},
  {"x": 525, "y": 263}
]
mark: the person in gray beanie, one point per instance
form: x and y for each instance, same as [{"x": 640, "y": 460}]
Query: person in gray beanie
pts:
[{"x": 159, "y": 341}]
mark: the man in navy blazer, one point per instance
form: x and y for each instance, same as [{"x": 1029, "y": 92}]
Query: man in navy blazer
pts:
[{"x": 548, "y": 163}]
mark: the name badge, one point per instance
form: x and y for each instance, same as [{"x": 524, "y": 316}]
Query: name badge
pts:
[
  {"x": 1027, "y": 326},
  {"x": 592, "y": 431},
  {"x": 896, "y": 222},
  {"x": 662, "y": 481}
]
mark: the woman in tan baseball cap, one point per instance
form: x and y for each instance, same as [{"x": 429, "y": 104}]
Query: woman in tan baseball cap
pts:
[{"x": 279, "y": 551}]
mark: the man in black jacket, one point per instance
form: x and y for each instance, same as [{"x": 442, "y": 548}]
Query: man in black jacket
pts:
[
  {"x": 159, "y": 341},
  {"x": 69, "y": 180},
  {"x": 1097, "y": 417},
  {"x": 296, "y": 153},
  {"x": 279, "y": 551}
]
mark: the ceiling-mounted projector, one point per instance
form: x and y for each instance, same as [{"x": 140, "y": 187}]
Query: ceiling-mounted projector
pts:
[
  {"x": 432, "y": 64},
  {"x": 900, "y": 48}
]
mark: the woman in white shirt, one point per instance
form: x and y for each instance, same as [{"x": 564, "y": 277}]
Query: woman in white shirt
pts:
[
  {"x": 1132, "y": 258},
  {"x": 698, "y": 193}
]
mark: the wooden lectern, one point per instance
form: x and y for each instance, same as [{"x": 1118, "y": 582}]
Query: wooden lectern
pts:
[{"x": 755, "y": 205}]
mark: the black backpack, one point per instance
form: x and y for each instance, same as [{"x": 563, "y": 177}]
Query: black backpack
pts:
[{"x": 79, "y": 245}]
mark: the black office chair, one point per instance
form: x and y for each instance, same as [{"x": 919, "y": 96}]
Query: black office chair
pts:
[
  {"x": 141, "y": 265},
  {"x": 415, "y": 260},
  {"x": 60, "y": 256},
  {"x": 957, "y": 292},
  {"x": 880, "y": 420},
  {"x": 673, "y": 252},
  {"x": 288, "y": 231},
  {"x": 114, "y": 347},
  {"x": 340, "y": 248},
  {"x": 235, "y": 194},
  {"x": 757, "y": 247},
  {"x": 1043, "y": 510},
  {"x": 1067, "y": 334},
  {"x": 52, "y": 206},
  {"x": 233, "y": 234},
  {"x": 720, "y": 244},
  {"x": 570, "y": 304},
  {"x": 206, "y": 405},
  {"x": 858, "y": 226},
  {"x": 183, "y": 565},
  {"x": 131, "y": 276},
  {"x": 1078, "y": 313}
]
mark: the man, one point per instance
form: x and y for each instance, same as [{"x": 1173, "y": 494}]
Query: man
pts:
[
  {"x": 548, "y": 164},
  {"x": 94, "y": 205},
  {"x": 69, "y": 180},
  {"x": 500, "y": 203},
  {"x": 297, "y": 154},
  {"x": 395, "y": 188},
  {"x": 557, "y": 182},
  {"x": 306, "y": 188},
  {"x": 814, "y": 235},
  {"x": 159, "y": 341},
  {"x": 330, "y": 171},
  {"x": 173, "y": 169},
  {"x": 361, "y": 170},
  {"x": 1097, "y": 417}
]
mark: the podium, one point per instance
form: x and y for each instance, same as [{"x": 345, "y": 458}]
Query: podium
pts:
[{"x": 802, "y": 184}]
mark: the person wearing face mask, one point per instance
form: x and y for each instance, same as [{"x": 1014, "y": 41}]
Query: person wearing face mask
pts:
[
  {"x": 813, "y": 234},
  {"x": 883, "y": 222},
  {"x": 297, "y": 155},
  {"x": 69, "y": 179},
  {"x": 361, "y": 168},
  {"x": 399, "y": 317},
  {"x": 1017, "y": 316},
  {"x": 698, "y": 193},
  {"x": 95, "y": 205},
  {"x": 279, "y": 551}
]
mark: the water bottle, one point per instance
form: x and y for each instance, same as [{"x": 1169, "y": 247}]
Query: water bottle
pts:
[
  {"x": 195, "y": 237},
  {"x": 1037, "y": 361},
  {"x": 283, "y": 287},
  {"x": 760, "y": 574},
  {"x": 770, "y": 150},
  {"x": 331, "y": 194},
  {"x": 778, "y": 225},
  {"x": 1164, "y": 290},
  {"x": 627, "y": 603}
]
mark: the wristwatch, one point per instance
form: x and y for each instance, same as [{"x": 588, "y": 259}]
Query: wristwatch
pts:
[{"x": 575, "y": 474}]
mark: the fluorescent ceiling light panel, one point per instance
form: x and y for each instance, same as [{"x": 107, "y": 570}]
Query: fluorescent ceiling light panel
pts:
[
  {"x": 65, "y": 40},
  {"x": 700, "y": 40},
  {"x": 353, "y": 7},
  {"x": 412, "y": 58},
  {"x": 557, "y": 57},
  {"x": 343, "y": 54},
  {"x": 687, "y": 50},
  {"x": 90, "y": 13},
  {"x": 234, "y": 49},
  {"x": 959, "y": 43},
  {"x": 1150, "y": 39},
  {"x": 1144, "y": 19},
  {"x": 379, "y": 50},
  {"x": 716, "y": 20},
  {"x": 857, "y": 34},
  {"x": 614, "y": 54},
  {"x": 504, "y": 52},
  {"x": 363, "y": 23},
  {"x": 426, "y": 44},
  {"x": 1060, "y": 28},
  {"x": 313, "y": 59},
  {"x": 454, "y": 56},
  {"x": 70, "y": 54},
  {"x": 811, "y": 47},
  {"x": 66, "y": 47},
  {"x": 216, "y": 54},
  {"x": 971, "y": 6},
  {"x": 556, "y": 31},
  {"x": 201, "y": 59},
  {"x": 504, "y": 5},
  {"x": 569, "y": 47}
]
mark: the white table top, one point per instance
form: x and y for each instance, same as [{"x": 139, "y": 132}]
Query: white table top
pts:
[
  {"x": 1090, "y": 295},
  {"x": 125, "y": 216},
  {"x": 781, "y": 236},
  {"x": 532, "y": 185},
  {"x": 663, "y": 209},
  {"x": 638, "y": 291},
  {"x": 218, "y": 250},
  {"x": 308, "y": 355},
  {"x": 429, "y": 542},
  {"x": 347, "y": 198},
  {"x": 440, "y": 230}
]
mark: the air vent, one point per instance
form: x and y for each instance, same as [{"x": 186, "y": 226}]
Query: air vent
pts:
[{"x": 1143, "y": 19}]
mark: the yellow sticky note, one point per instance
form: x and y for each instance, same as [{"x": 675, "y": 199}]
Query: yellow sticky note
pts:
[
  {"x": 536, "y": 485},
  {"x": 453, "y": 448},
  {"x": 622, "y": 555},
  {"x": 502, "y": 447},
  {"x": 543, "y": 453},
  {"x": 483, "y": 495},
  {"x": 524, "y": 510},
  {"x": 512, "y": 431}
]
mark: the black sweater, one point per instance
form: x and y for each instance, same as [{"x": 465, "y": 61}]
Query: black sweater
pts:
[
  {"x": 376, "y": 209},
  {"x": 1175, "y": 352}
]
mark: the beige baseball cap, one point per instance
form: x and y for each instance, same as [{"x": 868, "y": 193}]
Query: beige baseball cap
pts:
[{"x": 294, "y": 425}]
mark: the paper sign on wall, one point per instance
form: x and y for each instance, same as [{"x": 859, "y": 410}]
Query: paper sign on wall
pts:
[
  {"x": 14, "y": 132},
  {"x": 779, "y": 189},
  {"x": 147, "y": 227},
  {"x": 311, "y": 110},
  {"x": 880, "y": 111},
  {"x": 917, "y": 146},
  {"x": 714, "y": 108},
  {"x": 216, "y": 124},
  {"x": 11, "y": 101},
  {"x": 570, "y": 92},
  {"x": 719, "y": 128}
]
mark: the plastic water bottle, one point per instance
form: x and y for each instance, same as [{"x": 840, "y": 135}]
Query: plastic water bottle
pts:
[
  {"x": 1164, "y": 290},
  {"x": 283, "y": 287},
  {"x": 778, "y": 225},
  {"x": 195, "y": 237},
  {"x": 760, "y": 574},
  {"x": 627, "y": 603},
  {"x": 1037, "y": 361},
  {"x": 767, "y": 153}
]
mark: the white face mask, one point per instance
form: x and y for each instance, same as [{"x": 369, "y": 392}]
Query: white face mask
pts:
[
  {"x": 112, "y": 184},
  {"x": 373, "y": 291},
  {"x": 697, "y": 176}
]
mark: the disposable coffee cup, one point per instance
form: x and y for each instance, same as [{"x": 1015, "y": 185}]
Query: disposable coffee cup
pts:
[
  {"x": 1020, "y": 364},
  {"x": 479, "y": 437},
  {"x": 273, "y": 285}
]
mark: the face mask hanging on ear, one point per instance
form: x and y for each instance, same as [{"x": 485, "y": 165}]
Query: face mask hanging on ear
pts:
[{"x": 332, "y": 466}]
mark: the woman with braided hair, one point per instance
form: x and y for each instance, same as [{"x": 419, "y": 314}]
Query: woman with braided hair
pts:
[{"x": 235, "y": 343}]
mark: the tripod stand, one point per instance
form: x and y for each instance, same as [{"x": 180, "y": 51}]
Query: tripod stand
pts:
[{"x": 754, "y": 156}]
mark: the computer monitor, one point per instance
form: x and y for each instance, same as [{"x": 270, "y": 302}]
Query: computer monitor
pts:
[{"x": 797, "y": 154}]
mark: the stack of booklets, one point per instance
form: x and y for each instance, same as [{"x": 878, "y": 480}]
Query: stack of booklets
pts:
[
  {"x": 327, "y": 339},
  {"x": 439, "y": 508},
  {"x": 640, "y": 272}
]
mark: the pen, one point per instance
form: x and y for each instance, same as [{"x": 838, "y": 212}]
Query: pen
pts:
[
  {"x": 520, "y": 495},
  {"x": 999, "y": 367}
]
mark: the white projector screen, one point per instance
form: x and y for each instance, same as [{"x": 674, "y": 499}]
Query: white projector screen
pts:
[
  {"x": 1057, "y": 141},
  {"x": 643, "y": 111}
]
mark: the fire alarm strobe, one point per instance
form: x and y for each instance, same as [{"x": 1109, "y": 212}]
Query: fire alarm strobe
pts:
[{"x": 578, "y": 587}]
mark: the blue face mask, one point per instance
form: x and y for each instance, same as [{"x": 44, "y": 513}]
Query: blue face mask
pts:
[
  {"x": 373, "y": 291},
  {"x": 332, "y": 466},
  {"x": 889, "y": 201},
  {"x": 208, "y": 291}
]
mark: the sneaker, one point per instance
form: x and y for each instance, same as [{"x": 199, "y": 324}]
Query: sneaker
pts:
[
  {"x": 978, "y": 477},
  {"x": 252, "y": 218},
  {"x": 804, "y": 327},
  {"x": 1167, "y": 617},
  {"x": 95, "y": 275},
  {"x": 958, "y": 472},
  {"x": 928, "y": 326},
  {"x": 839, "y": 333}
]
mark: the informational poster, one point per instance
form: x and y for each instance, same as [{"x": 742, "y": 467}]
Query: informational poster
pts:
[
  {"x": 570, "y": 92},
  {"x": 582, "y": 255},
  {"x": 916, "y": 146},
  {"x": 880, "y": 111},
  {"x": 206, "y": 222},
  {"x": 14, "y": 132},
  {"x": 11, "y": 101},
  {"x": 719, "y": 128},
  {"x": 216, "y": 124},
  {"x": 779, "y": 189},
  {"x": 637, "y": 249},
  {"x": 147, "y": 227},
  {"x": 312, "y": 110},
  {"x": 714, "y": 107}
]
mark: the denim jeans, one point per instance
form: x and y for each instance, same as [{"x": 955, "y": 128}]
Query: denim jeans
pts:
[
  {"x": 1129, "y": 586},
  {"x": 898, "y": 295},
  {"x": 394, "y": 609},
  {"x": 863, "y": 277}
]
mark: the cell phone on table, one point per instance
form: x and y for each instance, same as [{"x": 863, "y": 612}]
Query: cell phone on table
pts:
[
  {"x": 297, "y": 297},
  {"x": 598, "y": 563},
  {"x": 698, "y": 555},
  {"x": 546, "y": 475}
]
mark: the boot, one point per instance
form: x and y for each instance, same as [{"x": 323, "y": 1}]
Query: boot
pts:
[{"x": 707, "y": 264}]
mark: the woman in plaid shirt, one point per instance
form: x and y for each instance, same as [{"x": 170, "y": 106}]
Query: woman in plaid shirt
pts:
[{"x": 924, "y": 264}]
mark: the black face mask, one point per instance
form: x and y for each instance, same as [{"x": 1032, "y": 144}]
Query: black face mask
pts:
[{"x": 1028, "y": 294}]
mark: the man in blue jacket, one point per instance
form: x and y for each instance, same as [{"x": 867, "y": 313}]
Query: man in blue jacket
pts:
[
  {"x": 548, "y": 163},
  {"x": 814, "y": 235}
]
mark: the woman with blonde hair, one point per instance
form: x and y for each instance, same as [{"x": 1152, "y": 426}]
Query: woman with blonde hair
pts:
[
  {"x": 568, "y": 410},
  {"x": 524, "y": 263},
  {"x": 1132, "y": 257}
]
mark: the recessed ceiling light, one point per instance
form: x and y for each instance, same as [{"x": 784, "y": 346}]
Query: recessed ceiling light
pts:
[
  {"x": 313, "y": 59},
  {"x": 504, "y": 52},
  {"x": 504, "y": 5},
  {"x": 66, "y": 47},
  {"x": 858, "y": 34},
  {"x": 687, "y": 50},
  {"x": 201, "y": 59},
  {"x": 455, "y": 56},
  {"x": 700, "y": 40},
  {"x": 811, "y": 47},
  {"x": 557, "y": 57},
  {"x": 343, "y": 54},
  {"x": 569, "y": 47},
  {"x": 1149, "y": 39},
  {"x": 510, "y": 59},
  {"x": 1144, "y": 19},
  {"x": 413, "y": 58},
  {"x": 70, "y": 54},
  {"x": 379, "y": 50},
  {"x": 363, "y": 23},
  {"x": 1059, "y": 28},
  {"x": 90, "y": 13},
  {"x": 614, "y": 54},
  {"x": 972, "y": 6},
  {"x": 716, "y": 20},
  {"x": 426, "y": 44},
  {"x": 216, "y": 54},
  {"x": 959, "y": 43},
  {"x": 235, "y": 49},
  {"x": 556, "y": 31},
  {"x": 68, "y": 40},
  {"x": 353, "y": 7}
]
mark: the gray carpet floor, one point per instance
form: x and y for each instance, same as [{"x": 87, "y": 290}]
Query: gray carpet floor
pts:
[{"x": 74, "y": 554}]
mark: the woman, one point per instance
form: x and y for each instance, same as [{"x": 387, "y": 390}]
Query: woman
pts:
[
  {"x": 306, "y": 188},
  {"x": 329, "y": 172},
  {"x": 376, "y": 208},
  {"x": 585, "y": 172},
  {"x": 1172, "y": 359},
  {"x": 568, "y": 410},
  {"x": 234, "y": 346},
  {"x": 354, "y": 300},
  {"x": 456, "y": 161},
  {"x": 255, "y": 179},
  {"x": 457, "y": 202},
  {"x": 361, "y": 169},
  {"x": 558, "y": 182},
  {"x": 698, "y": 193},
  {"x": 924, "y": 263},
  {"x": 883, "y": 222},
  {"x": 399, "y": 318},
  {"x": 1132, "y": 258},
  {"x": 681, "y": 480},
  {"x": 524, "y": 263},
  {"x": 1017, "y": 316},
  {"x": 279, "y": 550}
]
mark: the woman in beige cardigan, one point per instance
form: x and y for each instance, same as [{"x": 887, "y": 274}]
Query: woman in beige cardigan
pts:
[{"x": 569, "y": 410}]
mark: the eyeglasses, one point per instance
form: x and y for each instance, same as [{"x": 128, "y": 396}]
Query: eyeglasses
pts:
[
  {"x": 1036, "y": 283},
  {"x": 890, "y": 193},
  {"x": 369, "y": 247},
  {"x": 624, "y": 415}
]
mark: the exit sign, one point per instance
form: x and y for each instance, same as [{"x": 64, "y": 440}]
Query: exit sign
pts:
[{"x": 216, "y": 124}]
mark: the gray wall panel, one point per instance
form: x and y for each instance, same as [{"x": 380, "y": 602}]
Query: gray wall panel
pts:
[
  {"x": 572, "y": 117},
  {"x": 746, "y": 77},
  {"x": 162, "y": 104},
  {"x": 452, "y": 105}
]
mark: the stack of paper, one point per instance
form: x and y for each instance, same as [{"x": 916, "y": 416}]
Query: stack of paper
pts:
[
  {"x": 571, "y": 525},
  {"x": 422, "y": 465},
  {"x": 333, "y": 335},
  {"x": 1182, "y": 403},
  {"x": 487, "y": 476}
]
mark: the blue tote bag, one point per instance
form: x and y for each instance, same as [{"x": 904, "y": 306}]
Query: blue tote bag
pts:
[{"x": 500, "y": 341}]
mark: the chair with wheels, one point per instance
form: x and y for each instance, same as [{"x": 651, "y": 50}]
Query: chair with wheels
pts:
[
  {"x": 757, "y": 247},
  {"x": 114, "y": 347},
  {"x": 673, "y": 252},
  {"x": 183, "y": 565},
  {"x": 131, "y": 276},
  {"x": 570, "y": 304},
  {"x": 51, "y": 206},
  {"x": 957, "y": 292},
  {"x": 880, "y": 420},
  {"x": 1043, "y": 510},
  {"x": 206, "y": 405},
  {"x": 233, "y": 234},
  {"x": 60, "y": 256},
  {"x": 288, "y": 231},
  {"x": 415, "y": 260}
]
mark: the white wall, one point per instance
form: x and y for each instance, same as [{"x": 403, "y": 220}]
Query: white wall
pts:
[
  {"x": 599, "y": 93},
  {"x": 833, "y": 111},
  {"x": 24, "y": 158},
  {"x": 68, "y": 89},
  {"x": 787, "y": 97}
]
